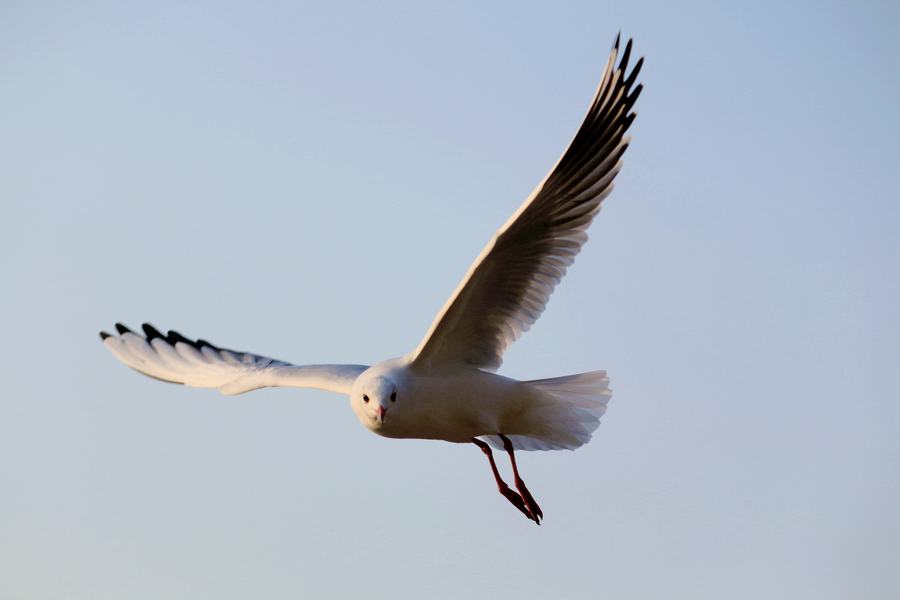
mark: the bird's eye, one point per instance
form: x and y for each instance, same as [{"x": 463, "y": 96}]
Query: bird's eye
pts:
[
  {"x": 393, "y": 396},
  {"x": 365, "y": 399}
]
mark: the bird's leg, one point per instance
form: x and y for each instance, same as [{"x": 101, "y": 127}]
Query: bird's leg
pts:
[
  {"x": 533, "y": 507},
  {"x": 510, "y": 495}
]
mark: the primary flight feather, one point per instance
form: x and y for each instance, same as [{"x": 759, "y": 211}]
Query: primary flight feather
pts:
[{"x": 446, "y": 389}]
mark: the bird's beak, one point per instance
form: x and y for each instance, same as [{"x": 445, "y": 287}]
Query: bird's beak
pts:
[{"x": 380, "y": 412}]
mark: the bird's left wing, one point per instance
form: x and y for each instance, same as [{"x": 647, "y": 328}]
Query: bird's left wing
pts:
[
  {"x": 177, "y": 359},
  {"x": 508, "y": 286}
]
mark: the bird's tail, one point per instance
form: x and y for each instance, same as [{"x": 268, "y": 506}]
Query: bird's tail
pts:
[{"x": 562, "y": 412}]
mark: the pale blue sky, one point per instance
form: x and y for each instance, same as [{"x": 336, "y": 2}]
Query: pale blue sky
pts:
[{"x": 311, "y": 181}]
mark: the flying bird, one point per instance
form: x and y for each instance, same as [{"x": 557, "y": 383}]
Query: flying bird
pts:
[{"x": 447, "y": 388}]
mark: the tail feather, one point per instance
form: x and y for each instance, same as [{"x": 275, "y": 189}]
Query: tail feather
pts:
[{"x": 562, "y": 413}]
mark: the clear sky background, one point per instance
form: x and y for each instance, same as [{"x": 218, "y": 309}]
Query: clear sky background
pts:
[{"x": 310, "y": 181}]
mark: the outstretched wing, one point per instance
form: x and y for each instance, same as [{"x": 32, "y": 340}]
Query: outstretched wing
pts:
[
  {"x": 177, "y": 359},
  {"x": 509, "y": 284}
]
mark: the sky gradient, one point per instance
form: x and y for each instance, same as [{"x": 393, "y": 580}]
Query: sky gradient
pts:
[{"x": 310, "y": 181}]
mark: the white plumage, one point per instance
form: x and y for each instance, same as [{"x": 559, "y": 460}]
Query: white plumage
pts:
[{"x": 445, "y": 389}]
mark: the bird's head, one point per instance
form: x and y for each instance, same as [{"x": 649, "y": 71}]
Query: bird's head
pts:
[{"x": 374, "y": 399}]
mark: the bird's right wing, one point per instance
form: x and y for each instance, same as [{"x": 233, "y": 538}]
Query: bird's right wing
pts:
[
  {"x": 509, "y": 284},
  {"x": 177, "y": 359}
]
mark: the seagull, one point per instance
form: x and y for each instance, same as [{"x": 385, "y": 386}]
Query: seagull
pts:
[{"x": 447, "y": 388}]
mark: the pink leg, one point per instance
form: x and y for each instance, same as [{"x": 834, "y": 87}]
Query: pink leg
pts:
[
  {"x": 510, "y": 495},
  {"x": 533, "y": 507}
]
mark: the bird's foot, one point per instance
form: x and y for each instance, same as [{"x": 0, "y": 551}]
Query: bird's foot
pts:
[
  {"x": 536, "y": 513},
  {"x": 518, "y": 502}
]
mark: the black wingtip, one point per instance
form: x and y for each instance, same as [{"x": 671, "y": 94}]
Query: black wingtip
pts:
[
  {"x": 634, "y": 96},
  {"x": 634, "y": 73},
  {"x": 626, "y": 55},
  {"x": 104, "y": 335},
  {"x": 122, "y": 329},
  {"x": 618, "y": 39},
  {"x": 173, "y": 337},
  {"x": 151, "y": 332}
]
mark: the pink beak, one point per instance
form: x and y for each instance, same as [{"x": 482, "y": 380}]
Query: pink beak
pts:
[{"x": 380, "y": 412}]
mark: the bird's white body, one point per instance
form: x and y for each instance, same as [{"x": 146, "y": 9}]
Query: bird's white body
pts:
[
  {"x": 454, "y": 404},
  {"x": 458, "y": 403}
]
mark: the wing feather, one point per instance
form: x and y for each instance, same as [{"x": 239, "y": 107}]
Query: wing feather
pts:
[
  {"x": 508, "y": 286},
  {"x": 177, "y": 359}
]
